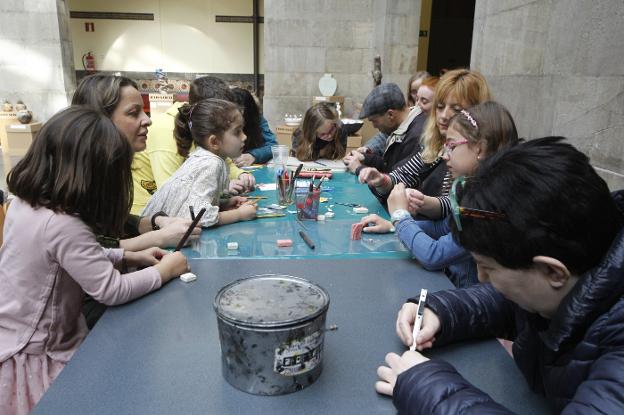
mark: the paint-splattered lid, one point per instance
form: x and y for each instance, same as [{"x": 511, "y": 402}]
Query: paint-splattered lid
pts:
[{"x": 270, "y": 301}]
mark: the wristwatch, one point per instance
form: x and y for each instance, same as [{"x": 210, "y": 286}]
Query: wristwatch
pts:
[
  {"x": 154, "y": 216},
  {"x": 398, "y": 215}
]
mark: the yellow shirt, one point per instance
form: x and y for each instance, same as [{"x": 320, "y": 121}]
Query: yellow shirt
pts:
[{"x": 160, "y": 159}]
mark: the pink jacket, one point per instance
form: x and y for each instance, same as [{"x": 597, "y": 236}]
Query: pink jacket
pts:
[{"x": 47, "y": 262}]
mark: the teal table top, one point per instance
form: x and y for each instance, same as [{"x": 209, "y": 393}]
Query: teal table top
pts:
[{"x": 332, "y": 237}]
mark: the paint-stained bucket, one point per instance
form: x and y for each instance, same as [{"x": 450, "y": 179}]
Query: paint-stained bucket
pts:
[{"x": 271, "y": 329}]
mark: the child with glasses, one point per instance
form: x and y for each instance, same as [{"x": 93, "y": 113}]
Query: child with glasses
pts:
[
  {"x": 553, "y": 282},
  {"x": 472, "y": 135},
  {"x": 424, "y": 172}
]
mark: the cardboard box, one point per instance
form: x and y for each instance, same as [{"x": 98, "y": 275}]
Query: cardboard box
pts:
[
  {"x": 19, "y": 138},
  {"x": 284, "y": 134},
  {"x": 367, "y": 131},
  {"x": 354, "y": 142},
  {"x": 6, "y": 118}
]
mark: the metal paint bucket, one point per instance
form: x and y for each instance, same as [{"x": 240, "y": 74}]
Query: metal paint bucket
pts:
[{"x": 271, "y": 329}]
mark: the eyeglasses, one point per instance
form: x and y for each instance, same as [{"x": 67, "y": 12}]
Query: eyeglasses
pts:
[
  {"x": 329, "y": 133},
  {"x": 459, "y": 211},
  {"x": 449, "y": 146}
]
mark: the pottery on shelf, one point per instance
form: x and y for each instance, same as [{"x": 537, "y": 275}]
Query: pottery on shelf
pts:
[
  {"x": 328, "y": 85},
  {"x": 24, "y": 116},
  {"x": 292, "y": 119},
  {"x": 7, "y": 107},
  {"x": 20, "y": 106}
]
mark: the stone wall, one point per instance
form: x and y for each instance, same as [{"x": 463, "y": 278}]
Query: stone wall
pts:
[
  {"x": 305, "y": 39},
  {"x": 36, "y": 63},
  {"x": 558, "y": 65}
]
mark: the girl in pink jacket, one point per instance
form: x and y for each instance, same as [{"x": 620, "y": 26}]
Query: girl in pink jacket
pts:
[{"x": 74, "y": 181}]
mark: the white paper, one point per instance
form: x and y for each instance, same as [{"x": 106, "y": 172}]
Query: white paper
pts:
[{"x": 266, "y": 186}]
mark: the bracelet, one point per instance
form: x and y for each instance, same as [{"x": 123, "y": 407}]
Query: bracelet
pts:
[
  {"x": 153, "y": 220},
  {"x": 386, "y": 180}
]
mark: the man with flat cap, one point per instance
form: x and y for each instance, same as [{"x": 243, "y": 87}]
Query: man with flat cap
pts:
[{"x": 386, "y": 109}]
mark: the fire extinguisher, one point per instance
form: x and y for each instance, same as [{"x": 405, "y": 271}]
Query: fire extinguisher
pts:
[{"x": 88, "y": 62}]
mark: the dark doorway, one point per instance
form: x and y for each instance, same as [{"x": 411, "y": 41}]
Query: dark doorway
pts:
[{"x": 450, "y": 37}]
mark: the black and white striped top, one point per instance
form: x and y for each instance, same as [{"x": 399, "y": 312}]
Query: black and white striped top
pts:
[{"x": 415, "y": 170}]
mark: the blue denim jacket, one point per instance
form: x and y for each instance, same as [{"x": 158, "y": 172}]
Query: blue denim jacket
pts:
[
  {"x": 433, "y": 246},
  {"x": 263, "y": 154}
]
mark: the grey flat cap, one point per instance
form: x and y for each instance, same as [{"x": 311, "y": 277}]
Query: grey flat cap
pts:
[{"x": 381, "y": 99}]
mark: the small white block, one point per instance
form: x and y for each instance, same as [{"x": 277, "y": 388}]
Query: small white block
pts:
[
  {"x": 188, "y": 277},
  {"x": 320, "y": 217},
  {"x": 330, "y": 215},
  {"x": 232, "y": 245},
  {"x": 360, "y": 209}
]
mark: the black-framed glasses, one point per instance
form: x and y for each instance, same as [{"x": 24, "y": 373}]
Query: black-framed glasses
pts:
[{"x": 459, "y": 211}]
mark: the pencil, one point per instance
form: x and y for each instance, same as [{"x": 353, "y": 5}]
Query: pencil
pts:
[
  {"x": 190, "y": 229},
  {"x": 306, "y": 239},
  {"x": 419, "y": 317},
  {"x": 270, "y": 215}
]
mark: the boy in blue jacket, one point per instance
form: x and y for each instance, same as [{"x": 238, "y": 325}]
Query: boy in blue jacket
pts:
[{"x": 552, "y": 267}]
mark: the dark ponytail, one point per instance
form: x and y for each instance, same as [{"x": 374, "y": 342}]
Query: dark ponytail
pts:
[
  {"x": 182, "y": 130},
  {"x": 196, "y": 122}
]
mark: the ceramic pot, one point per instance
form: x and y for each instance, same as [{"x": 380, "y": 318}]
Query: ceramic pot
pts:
[
  {"x": 20, "y": 106},
  {"x": 327, "y": 85},
  {"x": 7, "y": 107},
  {"x": 24, "y": 116}
]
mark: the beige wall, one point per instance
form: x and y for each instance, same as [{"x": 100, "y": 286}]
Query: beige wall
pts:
[{"x": 183, "y": 37}]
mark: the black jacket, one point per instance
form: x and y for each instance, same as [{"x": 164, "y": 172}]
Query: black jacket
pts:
[
  {"x": 576, "y": 359},
  {"x": 400, "y": 150}
]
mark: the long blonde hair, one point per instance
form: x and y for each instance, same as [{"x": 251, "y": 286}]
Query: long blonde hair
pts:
[
  {"x": 466, "y": 86},
  {"x": 314, "y": 118}
]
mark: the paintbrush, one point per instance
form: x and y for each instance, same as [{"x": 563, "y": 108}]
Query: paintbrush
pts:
[
  {"x": 190, "y": 229},
  {"x": 298, "y": 171}
]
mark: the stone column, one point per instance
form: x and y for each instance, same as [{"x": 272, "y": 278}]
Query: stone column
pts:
[
  {"x": 559, "y": 68},
  {"x": 305, "y": 39},
  {"x": 36, "y": 64}
]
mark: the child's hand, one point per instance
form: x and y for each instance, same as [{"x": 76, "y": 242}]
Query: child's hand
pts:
[
  {"x": 171, "y": 233},
  {"x": 379, "y": 224},
  {"x": 248, "y": 181},
  {"x": 415, "y": 200},
  {"x": 144, "y": 258},
  {"x": 233, "y": 202},
  {"x": 172, "y": 265},
  {"x": 247, "y": 211},
  {"x": 244, "y": 159},
  {"x": 405, "y": 326},
  {"x": 397, "y": 199},
  {"x": 362, "y": 150},
  {"x": 396, "y": 365},
  {"x": 236, "y": 187}
]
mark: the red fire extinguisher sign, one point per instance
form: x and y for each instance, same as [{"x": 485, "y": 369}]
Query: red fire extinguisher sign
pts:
[{"x": 88, "y": 62}]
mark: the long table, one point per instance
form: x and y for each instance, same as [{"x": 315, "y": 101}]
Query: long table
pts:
[
  {"x": 257, "y": 238},
  {"x": 161, "y": 354}
]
